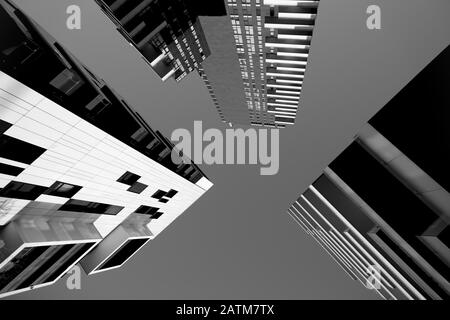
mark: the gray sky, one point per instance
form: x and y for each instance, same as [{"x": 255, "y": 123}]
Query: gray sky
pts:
[{"x": 237, "y": 242}]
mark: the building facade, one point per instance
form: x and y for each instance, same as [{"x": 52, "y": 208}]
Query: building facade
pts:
[
  {"x": 272, "y": 42},
  {"x": 83, "y": 178},
  {"x": 257, "y": 50},
  {"x": 167, "y": 33},
  {"x": 271, "y": 47},
  {"x": 384, "y": 202}
]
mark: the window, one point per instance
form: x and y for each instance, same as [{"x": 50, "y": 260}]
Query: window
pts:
[
  {"x": 128, "y": 178},
  {"x": 21, "y": 190},
  {"x": 119, "y": 257},
  {"x": 139, "y": 134},
  {"x": 151, "y": 211},
  {"x": 61, "y": 189},
  {"x": 82, "y": 249},
  {"x": 19, "y": 263},
  {"x": 159, "y": 194},
  {"x": 131, "y": 179},
  {"x": 137, "y": 187},
  {"x": 97, "y": 105},
  {"x": 4, "y": 126},
  {"x": 10, "y": 170},
  {"x": 157, "y": 215},
  {"x": 67, "y": 81},
  {"x": 147, "y": 210},
  {"x": 18, "y": 150},
  {"x": 171, "y": 193},
  {"x": 51, "y": 257},
  {"x": 90, "y": 207}
]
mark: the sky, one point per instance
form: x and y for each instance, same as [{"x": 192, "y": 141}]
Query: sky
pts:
[{"x": 237, "y": 241}]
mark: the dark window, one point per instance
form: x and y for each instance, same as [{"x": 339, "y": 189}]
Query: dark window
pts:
[
  {"x": 157, "y": 215},
  {"x": 139, "y": 135},
  {"x": 22, "y": 190},
  {"x": 62, "y": 189},
  {"x": 171, "y": 193},
  {"x": 67, "y": 82},
  {"x": 163, "y": 200},
  {"x": 19, "y": 55},
  {"x": 137, "y": 187},
  {"x": 128, "y": 178},
  {"x": 97, "y": 105},
  {"x": 4, "y": 126},
  {"x": 19, "y": 263},
  {"x": 122, "y": 254},
  {"x": 83, "y": 248},
  {"x": 147, "y": 210},
  {"x": 18, "y": 150},
  {"x": 284, "y": 119},
  {"x": 152, "y": 144},
  {"x": 10, "y": 170},
  {"x": 159, "y": 194},
  {"x": 90, "y": 207},
  {"x": 49, "y": 262},
  {"x": 151, "y": 211}
]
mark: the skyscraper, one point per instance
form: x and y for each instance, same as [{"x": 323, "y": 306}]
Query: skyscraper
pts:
[
  {"x": 271, "y": 47},
  {"x": 384, "y": 202},
  {"x": 272, "y": 42},
  {"x": 257, "y": 50},
  {"x": 82, "y": 176},
  {"x": 167, "y": 33}
]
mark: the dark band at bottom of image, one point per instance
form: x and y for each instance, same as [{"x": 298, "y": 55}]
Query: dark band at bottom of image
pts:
[{"x": 224, "y": 309}]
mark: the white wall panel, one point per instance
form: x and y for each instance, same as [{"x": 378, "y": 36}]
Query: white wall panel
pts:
[
  {"x": 38, "y": 180},
  {"x": 58, "y": 112},
  {"x": 81, "y": 154},
  {"x": 52, "y": 199},
  {"x": 10, "y": 105},
  {"x": 66, "y": 152},
  {"x": 47, "y": 119},
  {"x": 39, "y": 172},
  {"x": 9, "y": 115},
  {"x": 28, "y": 136},
  {"x": 50, "y": 165},
  {"x": 13, "y": 163},
  {"x": 13, "y": 88},
  {"x": 39, "y": 128}
]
